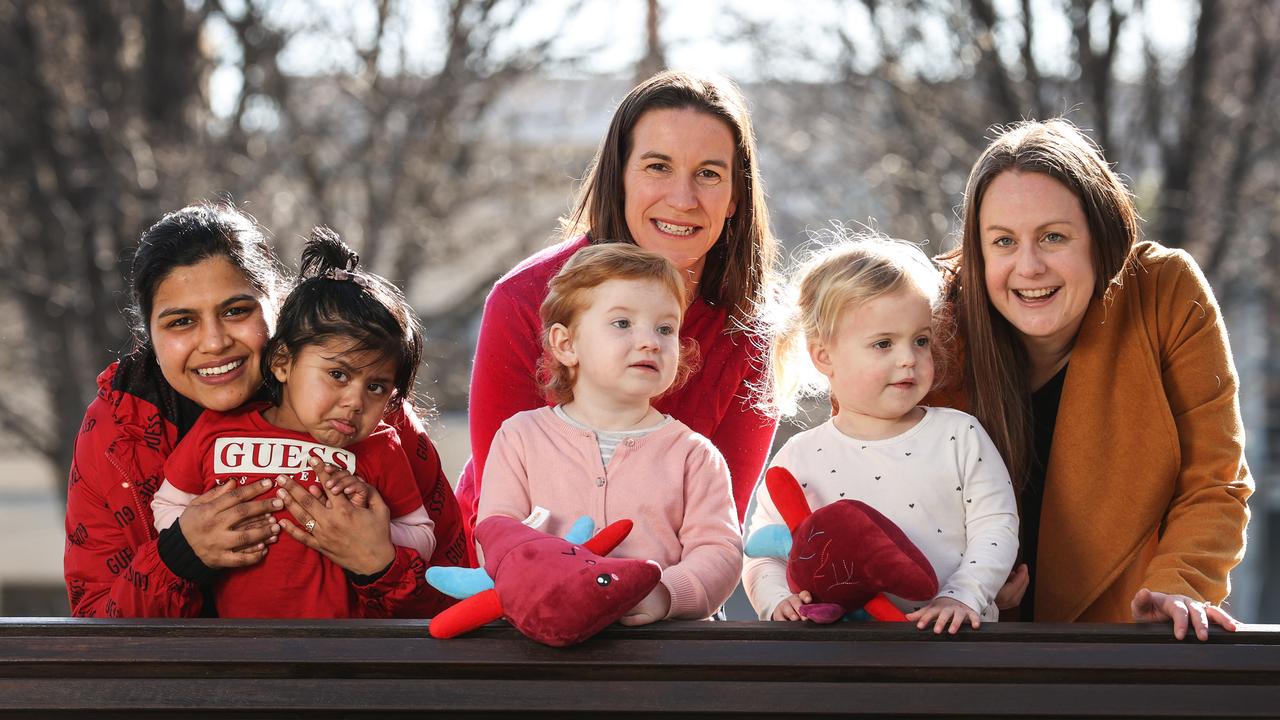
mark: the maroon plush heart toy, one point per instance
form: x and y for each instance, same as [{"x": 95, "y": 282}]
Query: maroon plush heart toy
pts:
[{"x": 847, "y": 555}]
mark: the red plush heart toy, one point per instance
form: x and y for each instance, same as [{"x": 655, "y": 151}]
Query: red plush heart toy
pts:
[
  {"x": 848, "y": 555},
  {"x": 555, "y": 591}
]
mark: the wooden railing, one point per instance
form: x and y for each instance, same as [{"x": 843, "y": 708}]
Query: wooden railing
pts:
[{"x": 125, "y": 668}]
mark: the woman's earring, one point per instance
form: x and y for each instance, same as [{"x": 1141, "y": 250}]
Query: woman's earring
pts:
[{"x": 728, "y": 229}]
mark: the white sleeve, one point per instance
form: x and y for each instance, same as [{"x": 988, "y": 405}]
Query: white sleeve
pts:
[
  {"x": 415, "y": 530},
  {"x": 991, "y": 523},
  {"x": 168, "y": 504},
  {"x": 765, "y": 579}
]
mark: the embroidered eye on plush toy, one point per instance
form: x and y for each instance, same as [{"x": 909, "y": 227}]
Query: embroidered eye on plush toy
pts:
[
  {"x": 846, "y": 554},
  {"x": 557, "y": 591}
]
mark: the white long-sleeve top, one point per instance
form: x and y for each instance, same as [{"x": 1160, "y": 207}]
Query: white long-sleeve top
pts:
[{"x": 942, "y": 482}]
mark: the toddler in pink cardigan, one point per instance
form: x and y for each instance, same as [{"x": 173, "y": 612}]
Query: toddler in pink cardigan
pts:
[{"x": 611, "y": 332}]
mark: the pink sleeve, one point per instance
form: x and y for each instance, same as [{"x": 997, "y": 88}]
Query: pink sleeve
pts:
[
  {"x": 503, "y": 379},
  {"x": 744, "y": 437},
  {"x": 710, "y": 539},
  {"x": 168, "y": 504},
  {"x": 506, "y": 488},
  {"x": 411, "y": 526}
]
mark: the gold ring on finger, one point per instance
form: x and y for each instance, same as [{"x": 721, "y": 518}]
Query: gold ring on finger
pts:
[{"x": 310, "y": 525}]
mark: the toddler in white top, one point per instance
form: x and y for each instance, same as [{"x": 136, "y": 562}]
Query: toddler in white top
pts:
[{"x": 863, "y": 311}]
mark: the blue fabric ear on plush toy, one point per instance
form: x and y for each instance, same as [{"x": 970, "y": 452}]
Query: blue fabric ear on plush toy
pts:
[
  {"x": 457, "y": 582},
  {"x": 555, "y": 591},
  {"x": 769, "y": 541},
  {"x": 581, "y": 531}
]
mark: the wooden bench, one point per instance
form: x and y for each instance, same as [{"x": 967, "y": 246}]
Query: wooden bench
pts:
[{"x": 315, "y": 669}]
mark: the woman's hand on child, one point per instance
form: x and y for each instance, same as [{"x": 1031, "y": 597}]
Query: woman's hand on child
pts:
[
  {"x": 943, "y": 612},
  {"x": 1152, "y": 606},
  {"x": 357, "y": 539},
  {"x": 227, "y": 528},
  {"x": 789, "y": 608},
  {"x": 338, "y": 480},
  {"x": 652, "y": 608},
  {"x": 1010, "y": 594}
]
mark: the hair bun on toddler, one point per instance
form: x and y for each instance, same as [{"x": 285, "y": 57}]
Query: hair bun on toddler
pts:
[
  {"x": 325, "y": 255},
  {"x": 334, "y": 299}
]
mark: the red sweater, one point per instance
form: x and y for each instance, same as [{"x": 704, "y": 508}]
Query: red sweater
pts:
[
  {"x": 715, "y": 402},
  {"x": 112, "y": 565},
  {"x": 293, "y": 581}
]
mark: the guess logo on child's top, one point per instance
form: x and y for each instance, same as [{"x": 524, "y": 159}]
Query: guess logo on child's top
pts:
[{"x": 274, "y": 456}]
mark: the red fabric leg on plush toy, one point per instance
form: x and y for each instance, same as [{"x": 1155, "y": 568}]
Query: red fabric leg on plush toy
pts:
[
  {"x": 881, "y": 609},
  {"x": 609, "y": 537},
  {"x": 479, "y": 609},
  {"x": 787, "y": 496}
]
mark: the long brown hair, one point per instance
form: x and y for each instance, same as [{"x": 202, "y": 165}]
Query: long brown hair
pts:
[
  {"x": 739, "y": 265},
  {"x": 997, "y": 369}
]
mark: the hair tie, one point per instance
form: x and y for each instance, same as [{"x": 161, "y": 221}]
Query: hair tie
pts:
[{"x": 338, "y": 274}]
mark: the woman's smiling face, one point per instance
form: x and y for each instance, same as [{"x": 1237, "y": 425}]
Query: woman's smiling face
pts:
[
  {"x": 678, "y": 185},
  {"x": 1038, "y": 255},
  {"x": 208, "y": 326}
]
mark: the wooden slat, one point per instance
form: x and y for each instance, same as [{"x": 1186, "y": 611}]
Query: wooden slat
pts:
[
  {"x": 762, "y": 698},
  {"x": 61, "y": 667}
]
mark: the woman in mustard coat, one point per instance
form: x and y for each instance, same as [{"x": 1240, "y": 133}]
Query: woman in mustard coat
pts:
[{"x": 1101, "y": 368}]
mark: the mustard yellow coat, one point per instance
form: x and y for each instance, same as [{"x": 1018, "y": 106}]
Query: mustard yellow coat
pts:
[{"x": 1147, "y": 484}]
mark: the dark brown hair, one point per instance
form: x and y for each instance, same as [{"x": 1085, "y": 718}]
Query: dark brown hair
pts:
[
  {"x": 739, "y": 265},
  {"x": 191, "y": 235},
  {"x": 996, "y": 369},
  {"x": 334, "y": 299}
]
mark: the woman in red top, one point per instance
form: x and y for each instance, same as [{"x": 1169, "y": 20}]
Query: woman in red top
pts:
[
  {"x": 204, "y": 288},
  {"x": 675, "y": 174}
]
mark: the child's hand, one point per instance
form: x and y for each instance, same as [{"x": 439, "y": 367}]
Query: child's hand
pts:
[
  {"x": 942, "y": 611},
  {"x": 338, "y": 480},
  {"x": 652, "y": 608},
  {"x": 789, "y": 608}
]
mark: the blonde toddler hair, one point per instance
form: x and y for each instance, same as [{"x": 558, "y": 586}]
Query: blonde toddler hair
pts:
[{"x": 843, "y": 272}]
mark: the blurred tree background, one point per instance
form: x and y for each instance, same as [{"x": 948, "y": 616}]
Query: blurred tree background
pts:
[{"x": 442, "y": 139}]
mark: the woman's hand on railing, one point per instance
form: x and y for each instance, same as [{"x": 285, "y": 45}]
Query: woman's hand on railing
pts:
[
  {"x": 1151, "y": 606},
  {"x": 357, "y": 538}
]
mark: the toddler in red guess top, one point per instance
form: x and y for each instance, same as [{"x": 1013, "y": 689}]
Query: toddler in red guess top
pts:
[{"x": 347, "y": 346}]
